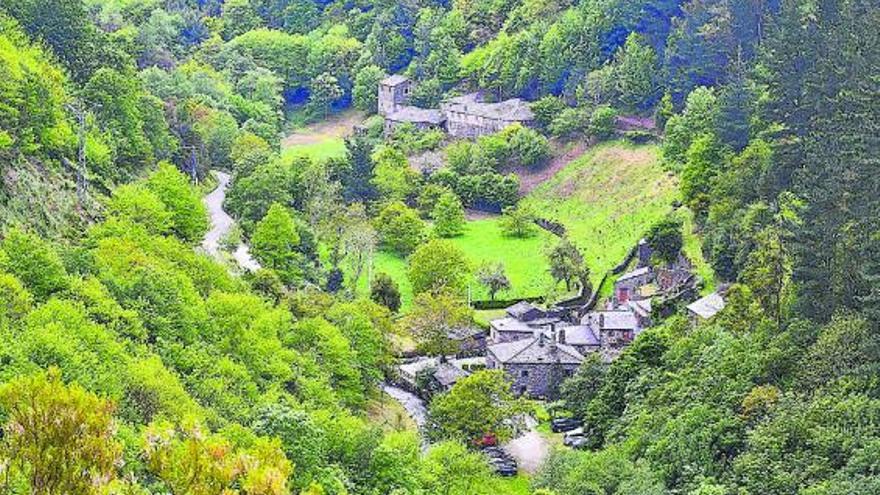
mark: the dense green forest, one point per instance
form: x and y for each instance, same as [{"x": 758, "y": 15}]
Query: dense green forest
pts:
[{"x": 132, "y": 362}]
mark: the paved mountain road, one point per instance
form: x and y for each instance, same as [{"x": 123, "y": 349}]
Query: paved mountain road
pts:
[{"x": 221, "y": 222}]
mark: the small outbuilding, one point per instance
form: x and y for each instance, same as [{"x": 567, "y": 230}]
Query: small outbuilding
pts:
[{"x": 705, "y": 307}]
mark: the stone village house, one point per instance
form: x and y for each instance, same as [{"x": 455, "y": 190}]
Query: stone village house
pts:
[
  {"x": 537, "y": 348},
  {"x": 466, "y": 116},
  {"x": 535, "y": 365}
]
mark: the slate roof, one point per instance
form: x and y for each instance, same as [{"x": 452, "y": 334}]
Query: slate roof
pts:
[
  {"x": 394, "y": 80},
  {"x": 612, "y": 320},
  {"x": 519, "y": 309},
  {"x": 413, "y": 368},
  {"x": 642, "y": 307},
  {"x": 633, "y": 274},
  {"x": 447, "y": 374},
  {"x": 535, "y": 351},
  {"x": 510, "y": 325},
  {"x": 708, "y": 306},
  {"x": 619, "y": 320},
  {"x": 417, "y": 115},
  {"x": 463, "y": 333},
  {"x": 512, "y": 110},
  {"x": 580, "y": 335}
]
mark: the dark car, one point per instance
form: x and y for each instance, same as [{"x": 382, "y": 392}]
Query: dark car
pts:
[
  {"x": 500, "y": 461},
  {"x": 560, "y": 425},
  {"x": 506, "y": 470}
]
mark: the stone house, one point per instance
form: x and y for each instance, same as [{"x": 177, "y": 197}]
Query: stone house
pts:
[
  {"x": 615, "y": 328},
  {"x": 464, "y": 116},
  {"x": 508, "y": 330},
  {"x": 522, "y": 319},
  {"x": 706, "y": 307},
  {"x": 426, "y": 376},
  {"x": 469, "y": 341},
  {"x": 469, "y": 116},
  {"x": 628, "y": 286},
  {"x": 535, "y": 365}
]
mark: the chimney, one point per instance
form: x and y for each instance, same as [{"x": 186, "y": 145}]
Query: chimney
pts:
[
  {"x": 562, "y": 335},
  {"x": 541, "y": 339},
  {"x": 601, "y": 321}
]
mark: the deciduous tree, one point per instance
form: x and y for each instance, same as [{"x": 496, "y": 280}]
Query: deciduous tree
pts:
[{"x": 59, "y": 439}]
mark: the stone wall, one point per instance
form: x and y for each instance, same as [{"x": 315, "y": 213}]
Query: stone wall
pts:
[
  {"x": 537, "y": 380},
  {"x": 466, "y": 125}
]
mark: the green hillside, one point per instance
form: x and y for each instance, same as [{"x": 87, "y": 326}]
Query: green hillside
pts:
[{"x": 607, "y": 199}]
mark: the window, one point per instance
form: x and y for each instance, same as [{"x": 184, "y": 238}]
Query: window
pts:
[{"x": 524, "y": 373}]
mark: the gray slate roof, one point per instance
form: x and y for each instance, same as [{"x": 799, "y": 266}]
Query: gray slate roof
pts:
[
  {"x": 633, "y": 274},
  {"x": 708, "y": 306},
  {"x": 447, "y": 374},
  {"x": 641, "y": 307},
  {"x": 612, "y": 320},
  {"x": 394, "y": 80},
  {"x": 580, "y": 335},
  {"x": 463, "y": 333},
  {"x": 417, "y": 115},
  {"x": 510, "y": 325},
  {"x": 535, "y": 351},
  {"x": 521, "y": 308},
  {"x": 513, "y": 110}
]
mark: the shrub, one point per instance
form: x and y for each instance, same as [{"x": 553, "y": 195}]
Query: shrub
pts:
[{"x": 602, "y": 122}]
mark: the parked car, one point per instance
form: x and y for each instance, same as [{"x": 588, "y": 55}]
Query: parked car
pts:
[
  {"x": 572, "y": 435},
  {"x": 500, "y": 461},
  {"x": 578, "y": 442},
  {"x": 560, "y": 425}
]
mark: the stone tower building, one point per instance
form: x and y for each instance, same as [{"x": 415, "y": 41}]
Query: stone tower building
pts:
[{"x": 394, "y": 93}]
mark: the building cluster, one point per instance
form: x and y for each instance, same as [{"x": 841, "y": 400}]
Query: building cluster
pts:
[
  {"x": 538, "y": 348},
  {"x": 466, "y": 116}
]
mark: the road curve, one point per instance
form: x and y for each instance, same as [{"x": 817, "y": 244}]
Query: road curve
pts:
[{"x": 221, "y": 222}]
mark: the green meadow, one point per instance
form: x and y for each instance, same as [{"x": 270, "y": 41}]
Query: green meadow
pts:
[
  {"x": 606, "y": 199},
  {"x": 333, "y": 147},
  {"x": 484, "y": 242}
]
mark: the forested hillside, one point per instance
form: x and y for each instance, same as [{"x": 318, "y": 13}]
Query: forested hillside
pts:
[{"x": 132, "y": 362}]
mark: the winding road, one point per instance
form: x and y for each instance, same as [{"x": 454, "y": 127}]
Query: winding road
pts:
[{"x": 221, "y": 222}]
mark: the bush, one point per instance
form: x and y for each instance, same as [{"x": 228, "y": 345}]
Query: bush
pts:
[
  {"x": 547, "y": 109},
  {"x": 638, "y": 137},
  {"x": 518, "y": 221},
  {"x": 569, "y": 122},
  {"x": 528, "y": 148},
  {"x": 602, "y": 122},
  {"x": 384, "y": 291}
]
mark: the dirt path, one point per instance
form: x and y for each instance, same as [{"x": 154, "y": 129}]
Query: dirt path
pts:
[
  {"x": 336, "y": 126},
  {"x": 530, "y": 449},
  {"x": 530, "y": 179}
]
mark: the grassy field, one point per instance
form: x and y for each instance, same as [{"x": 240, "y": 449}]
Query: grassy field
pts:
[
  {"x": 483, "y": 241},
  {"x": 324, "y": 139},
  {"x": 607, "y": 199},
  {"x": 332, "y": 147}
]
